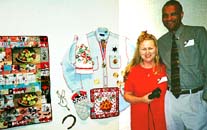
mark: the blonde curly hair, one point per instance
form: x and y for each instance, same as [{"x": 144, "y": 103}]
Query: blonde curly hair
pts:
[{"x": 137, "y": 58}]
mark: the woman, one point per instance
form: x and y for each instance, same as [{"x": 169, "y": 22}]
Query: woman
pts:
[{"x": 144, "y": 74}]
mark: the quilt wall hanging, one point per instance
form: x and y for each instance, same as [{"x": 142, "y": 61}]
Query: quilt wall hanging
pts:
[
  {"x": 24, "y": 81},
  {"x": 93, "y": 69}
]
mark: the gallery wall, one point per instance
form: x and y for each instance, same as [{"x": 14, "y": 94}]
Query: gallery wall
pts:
[
  {"x": 140, "y": 15},
  {"x": 60, "y": 20}
]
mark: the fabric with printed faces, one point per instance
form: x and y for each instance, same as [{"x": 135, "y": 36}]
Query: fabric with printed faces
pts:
[
  {"x": 81, "y": 104},
  {"x": 24, "y": 81}
]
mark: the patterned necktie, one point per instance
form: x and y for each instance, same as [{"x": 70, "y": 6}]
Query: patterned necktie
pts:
[
  {"x": 175, "y": 76},
  {"x": 103, "y": 44}
]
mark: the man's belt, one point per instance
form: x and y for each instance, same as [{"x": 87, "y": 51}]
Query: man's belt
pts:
[{"x": 189, "y": 91}]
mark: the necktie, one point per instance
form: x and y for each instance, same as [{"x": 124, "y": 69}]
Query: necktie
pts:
[
  {"x": 103, "y": 46},
  {"x": 175, "y": 76}
]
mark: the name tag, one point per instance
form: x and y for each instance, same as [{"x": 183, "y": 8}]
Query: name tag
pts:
[{"x": 161, "y": 80}]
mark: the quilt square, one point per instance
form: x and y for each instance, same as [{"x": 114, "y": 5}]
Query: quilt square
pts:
[{"x": 106, "y": 102}]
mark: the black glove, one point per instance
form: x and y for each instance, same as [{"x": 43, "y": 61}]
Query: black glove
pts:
[{"x": 155, "y": 93}]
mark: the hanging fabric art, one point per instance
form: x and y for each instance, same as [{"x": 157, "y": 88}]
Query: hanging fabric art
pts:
[
  {"x": 24, "y": 81},
  {"x": 106, "y": 102}
]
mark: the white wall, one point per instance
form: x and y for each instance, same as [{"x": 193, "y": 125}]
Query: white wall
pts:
[
  {"x": 140, "y": 15},
  {"x": 61, "y": 19}
]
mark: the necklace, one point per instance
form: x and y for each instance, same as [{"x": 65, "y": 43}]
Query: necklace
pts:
[
  {"x": 148, "y": 75},
  {"x": 148, "y": 71}
]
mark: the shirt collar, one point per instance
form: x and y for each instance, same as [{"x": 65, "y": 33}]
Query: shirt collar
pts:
[
  {"x": 102, "y": 33},
  {"x": 178, "y": 32}
]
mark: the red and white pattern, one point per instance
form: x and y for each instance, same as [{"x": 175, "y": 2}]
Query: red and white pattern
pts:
[{"x": 110, "y": 98}]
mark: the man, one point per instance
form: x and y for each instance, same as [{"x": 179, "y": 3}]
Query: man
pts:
[{"x": 185, "y": 105}]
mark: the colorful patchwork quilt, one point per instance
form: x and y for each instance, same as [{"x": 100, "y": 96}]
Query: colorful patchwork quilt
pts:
[{"x": 24, "y": 81}]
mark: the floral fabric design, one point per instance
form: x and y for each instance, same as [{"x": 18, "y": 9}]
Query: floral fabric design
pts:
[
  {"x": 83, "y": 54},
  {"x": 83, "y": 60}
]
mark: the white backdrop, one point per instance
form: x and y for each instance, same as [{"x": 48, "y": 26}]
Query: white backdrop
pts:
[
  {"x": 141, "y": 15},
  {"x": 60, "y": 20}
]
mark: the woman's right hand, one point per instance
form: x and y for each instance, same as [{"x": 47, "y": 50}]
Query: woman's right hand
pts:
[
  {"x": 131, "y": 98},
  {"x": 146, "y": 98}
]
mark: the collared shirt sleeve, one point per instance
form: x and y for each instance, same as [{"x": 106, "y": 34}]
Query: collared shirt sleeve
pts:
[
  {"x": 75, "y": 81},
  {"x": 68, "y": 68},
  {"x": 130, "y": 49},
  {"x": 203, "y": 51}
]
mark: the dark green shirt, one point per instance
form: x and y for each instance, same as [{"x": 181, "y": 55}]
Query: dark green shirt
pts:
[{"x": 192, "y": 48}]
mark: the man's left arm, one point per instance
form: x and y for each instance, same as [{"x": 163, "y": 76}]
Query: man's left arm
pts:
[{"x": 203, "y": 51}]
